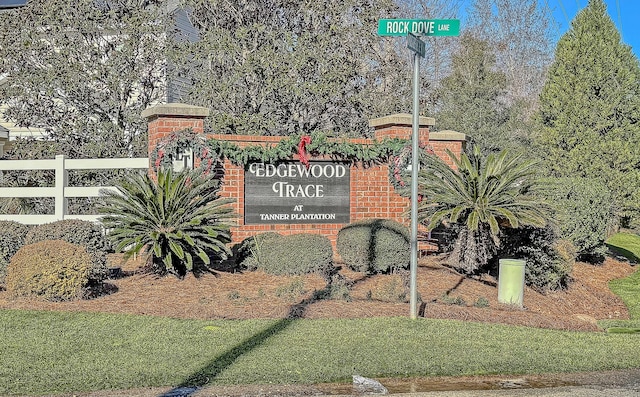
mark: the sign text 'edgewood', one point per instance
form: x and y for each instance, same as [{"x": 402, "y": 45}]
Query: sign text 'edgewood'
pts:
[{"x": 292, "y": 193}]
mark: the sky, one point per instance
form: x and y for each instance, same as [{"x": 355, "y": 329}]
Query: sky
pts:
[{"x": 624, "y": 13}]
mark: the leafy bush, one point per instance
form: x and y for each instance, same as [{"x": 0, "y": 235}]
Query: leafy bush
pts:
[
  {"x": 292, "y": 255},
  {"x": 585, "y": 214},
  {"x": 374, "y": 245},
  {"x": 339, "y": 288},
  {"x": 393, "y": 290},
  {"x": 481, "y": 302},
  {"x": 291, "y": 291},
  {"x": 549, "y": 260},
  {"x": 12, "y": 236},
  {"x": 448, "y": 299},
  {"x": 177, "y": 217},
  {"x": 86, "y": 234},
  {"x": 53, "y": 270}
]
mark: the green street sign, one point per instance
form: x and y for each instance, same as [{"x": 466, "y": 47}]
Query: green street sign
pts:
[
  {"x": 419, "y": 27},
  {"x": 416, "y": 45}
]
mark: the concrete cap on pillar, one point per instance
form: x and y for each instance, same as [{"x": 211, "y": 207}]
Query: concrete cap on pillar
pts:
[
  {"x": 176, "y": 110},
  {"x": 447, "y": 135},
  {"x": 400, "y": 119}
]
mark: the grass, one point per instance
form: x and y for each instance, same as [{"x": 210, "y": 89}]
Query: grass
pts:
[
  {"x": 628, "y": 288},
  {"x": 60, "y": 353},
  {"x": 56, "y": 353},
  {"x": 625, "y": 244}
]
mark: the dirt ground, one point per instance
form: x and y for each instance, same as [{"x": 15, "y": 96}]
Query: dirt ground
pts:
[{"x": 445, "y": 293}]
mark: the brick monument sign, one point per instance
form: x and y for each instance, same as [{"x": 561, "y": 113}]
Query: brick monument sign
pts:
[{"x": 319, "y": 197}]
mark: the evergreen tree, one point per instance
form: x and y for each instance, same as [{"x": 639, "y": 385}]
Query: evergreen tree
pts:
[
  {"x": 590, "y": 108},
  {"x": 520, "y": 34},
  {"x": 280, "y": 67},
  {"x": 84, "y": 70},
  {"x": 470, "y": 97}
]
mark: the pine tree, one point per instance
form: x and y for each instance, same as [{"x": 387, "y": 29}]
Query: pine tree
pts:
[
  {"x": 590, "y": 108},
  {"x": 470, "y": 96}
]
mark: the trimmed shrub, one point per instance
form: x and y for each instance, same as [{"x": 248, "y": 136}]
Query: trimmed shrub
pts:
[
  {"x": 86, "y": 234},
  {"x": 374, "y": 245},
  {"x": 585, "y": 214},
  {"x": 292, "y": 255},
  {"x": 12, "y": 236},
  {"x": 52, "y": 270},
  {"x": 249, "y": 253},
  {"x": 549, "y": 260}
]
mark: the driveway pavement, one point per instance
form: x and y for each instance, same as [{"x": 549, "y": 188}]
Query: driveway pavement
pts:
[
  {"x": 624, "y": 383},
  {"x": 567, "y": 391}
]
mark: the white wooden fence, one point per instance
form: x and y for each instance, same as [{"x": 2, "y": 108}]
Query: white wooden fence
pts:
[{"x": 61, "y": 191}]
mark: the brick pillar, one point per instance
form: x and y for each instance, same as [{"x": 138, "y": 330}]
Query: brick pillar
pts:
[
  {"x": 167, "y": 118},
  {"x": 447, "y": 139},
  {"x": 400, "y": 126}
]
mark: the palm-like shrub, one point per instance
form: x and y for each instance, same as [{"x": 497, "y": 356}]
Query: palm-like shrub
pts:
[
  {"x": 478, "y": 199},
  {"x": 176, "y": 217}
]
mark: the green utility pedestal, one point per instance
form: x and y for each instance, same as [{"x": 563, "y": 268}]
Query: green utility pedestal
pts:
[{"x": 511, "y": 281}]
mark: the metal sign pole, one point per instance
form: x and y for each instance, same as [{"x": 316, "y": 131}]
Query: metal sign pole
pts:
[
  {"x": 415, "y": 165},
  {"x": 413, "y": 28}
]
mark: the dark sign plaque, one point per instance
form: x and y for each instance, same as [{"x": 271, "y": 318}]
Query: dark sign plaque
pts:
[{"x": 292, "y": 193}]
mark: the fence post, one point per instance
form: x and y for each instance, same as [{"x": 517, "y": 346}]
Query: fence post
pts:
[{"x": 62, "y": 179}]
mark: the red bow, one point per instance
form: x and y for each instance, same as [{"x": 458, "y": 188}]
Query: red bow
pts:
[{"x": 302, "y": 153}]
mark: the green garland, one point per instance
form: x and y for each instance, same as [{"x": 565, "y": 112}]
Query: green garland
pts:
[
  {"x": 208, "y": 150},
  {"x": 179, "y": 141},
  {"x": 399, "y": 174},
  {"x": 396, "y": 152}
]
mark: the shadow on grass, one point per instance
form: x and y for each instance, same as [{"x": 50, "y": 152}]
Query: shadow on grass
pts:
[
  {"x": 623, "y": 252},
  {"x": 297, "y": 311},
  {"x": 216, "y": 366},
  {"x": 225, "y": 360}
]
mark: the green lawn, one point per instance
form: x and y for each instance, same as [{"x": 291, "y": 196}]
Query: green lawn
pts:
[
  {"x": 53, "y": 352},
  {"x": 57, "y": 352},
  {"x": 628, "y": 288},
  {"x": 626, "y": 244}
]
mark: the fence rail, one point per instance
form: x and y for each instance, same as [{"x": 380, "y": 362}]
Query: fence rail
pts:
[{"x": 61, "y": 191}]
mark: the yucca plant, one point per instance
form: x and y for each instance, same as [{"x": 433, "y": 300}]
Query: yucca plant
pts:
[
  {"x": 177, "y": 217},
  {"x": 479, "y": 199}
]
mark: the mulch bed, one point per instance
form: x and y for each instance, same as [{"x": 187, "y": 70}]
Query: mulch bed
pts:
[{"x": 447, "y": 295}]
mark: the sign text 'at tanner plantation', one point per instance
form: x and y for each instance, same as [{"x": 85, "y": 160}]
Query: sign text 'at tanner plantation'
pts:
[{"x": 292, "y": 193}]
